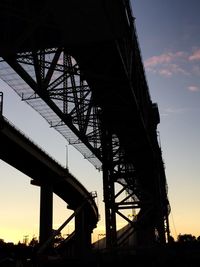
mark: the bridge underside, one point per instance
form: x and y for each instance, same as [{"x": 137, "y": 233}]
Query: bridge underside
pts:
[
  {"x": 80, "y": 67},
  {"x": 21, "y": 153},
  {"x": 46, "y": 24}
]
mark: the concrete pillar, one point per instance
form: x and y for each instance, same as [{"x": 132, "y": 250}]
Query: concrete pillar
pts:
[
  {"x": 83, "y": 232},
  {"x": 46, "y": 212}
]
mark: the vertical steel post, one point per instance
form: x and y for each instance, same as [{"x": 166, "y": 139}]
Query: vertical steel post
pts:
[
  {"x": 161, "y": 200},
  {"x": 108, "y": 189}
]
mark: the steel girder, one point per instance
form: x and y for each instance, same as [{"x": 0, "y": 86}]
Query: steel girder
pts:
[
  {"x": 52, "y": 82},
  {"x": 54, "y": 76}
]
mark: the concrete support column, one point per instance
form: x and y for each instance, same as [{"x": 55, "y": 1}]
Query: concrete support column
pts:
[
  {"x": 46, "y": 212},
  {"x": 83, "y": 231}
]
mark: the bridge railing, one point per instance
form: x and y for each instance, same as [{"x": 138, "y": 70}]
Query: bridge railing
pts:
[
  {"x": 32, "y": 142},
  {"x": 137, "y": 74}
]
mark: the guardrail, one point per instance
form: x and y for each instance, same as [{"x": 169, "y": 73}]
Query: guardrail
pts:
[{"x": 33, "y": 142}]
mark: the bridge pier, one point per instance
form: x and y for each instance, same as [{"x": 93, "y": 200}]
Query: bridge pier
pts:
[
  {"x": 83, "y": 231},
  {"x": 46, "y": 212}
]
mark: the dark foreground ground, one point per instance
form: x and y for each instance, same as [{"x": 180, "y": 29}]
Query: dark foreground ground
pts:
[
  {"x": 180, "y": 256},
  {"x": 183, "y": 255}
]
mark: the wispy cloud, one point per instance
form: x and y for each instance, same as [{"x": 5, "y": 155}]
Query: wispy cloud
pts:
[
  {"x": 172, "y": 69},
  {"x": 195, "y": 55},
  {"x": 155, "y": 60},
  {"x": 193, "y": 88},
  {"x": 169, "y": 64},
  {"x": 165, "y": 72},
  {"x": 173, "y": 111},
  {"x": 163, "y": 59}
]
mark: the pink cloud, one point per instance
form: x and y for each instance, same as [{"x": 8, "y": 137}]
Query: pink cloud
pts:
[
  {"x": 163, "y": 58},
  {"x": 195, "y": 55},
  {"x": 168, "y": 64},
  {"x": 155, "y": 60},
  {"x": 193, "y": 88},
  {"x": 177, "y": 69},
  {"x": 165, "y": 72},
  {"x": 169, "y": 69}
]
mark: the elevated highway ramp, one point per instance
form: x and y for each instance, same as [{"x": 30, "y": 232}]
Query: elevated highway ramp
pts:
[{"x": 20, "y": 152}]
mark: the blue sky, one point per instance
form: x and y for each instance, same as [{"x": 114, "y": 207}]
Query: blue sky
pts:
[{"x": 169, "y": 38}]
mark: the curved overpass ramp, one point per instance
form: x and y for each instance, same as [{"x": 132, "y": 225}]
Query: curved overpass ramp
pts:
[{"x": 20, "y": 152}]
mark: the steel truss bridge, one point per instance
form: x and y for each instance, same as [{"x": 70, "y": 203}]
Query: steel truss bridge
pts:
[{"x": 78, "y": 64}]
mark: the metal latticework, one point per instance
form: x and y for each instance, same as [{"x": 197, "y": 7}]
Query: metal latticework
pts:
[
  {"x": 68, "y": 92},
  {"x": 96, "y": 95}
]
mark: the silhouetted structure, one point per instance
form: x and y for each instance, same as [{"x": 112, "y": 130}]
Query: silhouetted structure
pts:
[
  {"x": 78, "y": 64},
  {"x": 51, "y": 177}
]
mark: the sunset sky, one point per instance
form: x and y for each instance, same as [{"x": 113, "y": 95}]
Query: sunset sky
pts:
[{"x": 169, "y": 38}]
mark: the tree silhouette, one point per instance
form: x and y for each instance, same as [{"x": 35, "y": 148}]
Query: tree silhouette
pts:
[
  {"x": 34, "y": 242},
  {"x": 186, "y": 238}
]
